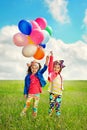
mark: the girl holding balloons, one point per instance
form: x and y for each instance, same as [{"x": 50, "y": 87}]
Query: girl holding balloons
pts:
[
  {"x": 34, "y": 81},
  {"x": 55, "y": 84}
]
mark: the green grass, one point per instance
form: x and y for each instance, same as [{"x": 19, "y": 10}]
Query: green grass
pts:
[{"x": 73, "y": 108}]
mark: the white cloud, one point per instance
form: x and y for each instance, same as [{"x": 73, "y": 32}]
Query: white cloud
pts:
[
  {"x": 84, "y": 26},
  {"x": 13, "y": 63},
  {"x": 58, "y": 9},
  {"x": 84, "y": 36},
  {"x": 74, "y": 55},
  {"x": 85, "y": 18}
]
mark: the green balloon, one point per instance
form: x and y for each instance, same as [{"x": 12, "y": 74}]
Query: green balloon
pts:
[{"x": 49, "y": 29}]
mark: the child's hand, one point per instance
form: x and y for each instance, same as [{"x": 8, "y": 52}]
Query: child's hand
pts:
[
  {"x": 47, "y": 60},
  {"x": 25, "y": 96},
  {"x": 62, "y": 88},
  {"x": 51, "y": 53}
]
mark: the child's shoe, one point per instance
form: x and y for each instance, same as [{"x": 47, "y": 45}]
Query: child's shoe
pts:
[
  {"x": 58, "y": 113},
  {"x": 23, "y": 114},
  {"x": 34, "y": 114}
]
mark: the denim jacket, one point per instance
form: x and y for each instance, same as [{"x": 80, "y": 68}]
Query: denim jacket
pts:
[{"x": 39, "y": 75}]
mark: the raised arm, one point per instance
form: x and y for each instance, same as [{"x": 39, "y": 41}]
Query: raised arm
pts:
[
  {"x": 45, "y": 65},
  {"x": 50, "y": 65}
]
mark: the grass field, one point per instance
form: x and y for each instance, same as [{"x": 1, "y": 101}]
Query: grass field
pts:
[{"x": 73, "y": 108}]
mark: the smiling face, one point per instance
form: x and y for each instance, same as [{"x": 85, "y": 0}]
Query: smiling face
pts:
[
  {"x": 56, "y": 68},
  {"x": 34, "y": 68}
]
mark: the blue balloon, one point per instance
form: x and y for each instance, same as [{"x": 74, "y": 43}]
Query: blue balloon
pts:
[
  {"x": 25, "y": 27},
  {"x": 42, "y": 45}
]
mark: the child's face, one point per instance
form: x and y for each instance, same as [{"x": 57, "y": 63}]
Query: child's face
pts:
[
  {"x": 56, "y": 68},
  {"x": 34, "y": 69}
]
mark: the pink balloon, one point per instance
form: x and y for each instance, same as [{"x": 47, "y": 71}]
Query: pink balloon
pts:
[
  {"x": 35, "y": 25},
  {"x": 20, "y": 39},
  {"x": 41, "y": 22},
  {"x": 37, "y": 36}
]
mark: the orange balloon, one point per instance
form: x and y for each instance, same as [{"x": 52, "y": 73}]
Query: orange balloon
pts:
[{"x": 39, "y": 53}]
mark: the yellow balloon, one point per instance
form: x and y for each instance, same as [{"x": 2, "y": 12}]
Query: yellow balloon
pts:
[{"x": 30, "y": 40}]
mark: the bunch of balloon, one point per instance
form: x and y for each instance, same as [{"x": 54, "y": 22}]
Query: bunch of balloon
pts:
[{"x": 33, "y": 37}]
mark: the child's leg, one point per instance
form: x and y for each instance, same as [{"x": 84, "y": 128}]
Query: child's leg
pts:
[
  {"x": 58, "y": 104},
  {"x": 35, "y": 104},
  {"x": 27, "y": 105},
  {"x": 52, "y": 103}
]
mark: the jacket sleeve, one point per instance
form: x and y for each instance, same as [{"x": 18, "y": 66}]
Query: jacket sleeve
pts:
[
  {"x": 50, "y": 65},
  {"x": 26, "y": 85},
  {"x": 43, "y": 69}
]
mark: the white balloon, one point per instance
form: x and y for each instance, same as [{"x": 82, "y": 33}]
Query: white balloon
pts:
[
  {"x": 46, "y": 36},
  {"x": 29, "y": 50}
]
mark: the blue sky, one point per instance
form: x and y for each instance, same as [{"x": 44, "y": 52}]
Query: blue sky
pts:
[
  {"x": 70, "y": 30},
  {"x": 68, "y": 19}
]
